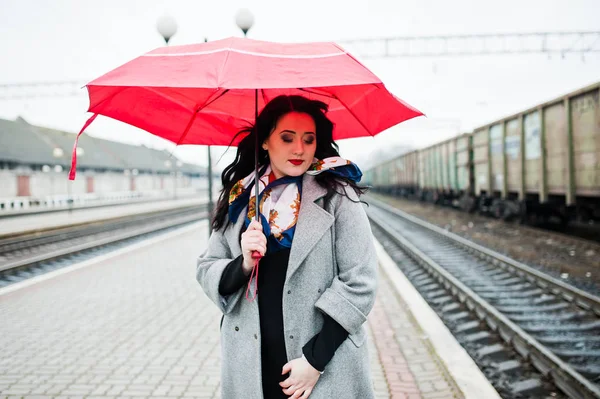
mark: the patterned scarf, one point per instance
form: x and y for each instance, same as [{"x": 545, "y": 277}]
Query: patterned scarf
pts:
[{"x": 279, "y": 199}]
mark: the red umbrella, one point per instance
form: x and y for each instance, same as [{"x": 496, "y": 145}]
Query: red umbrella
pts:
[{"x": 205, "y": 93}]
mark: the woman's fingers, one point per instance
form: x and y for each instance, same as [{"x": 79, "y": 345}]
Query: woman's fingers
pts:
[
  {"x": 287, "y": 382},
  {"x": 306, "y": 394},
  {"x": 297, "y": 394},
  {"x": 254, "y": 237},
  {"x": 290, "y": 391},
  {"x": 254, "y": 225},
  {"x": 256, "y": 240},
  {"x": 257, "y": 247},
  {"x": 253, "y": 240}
]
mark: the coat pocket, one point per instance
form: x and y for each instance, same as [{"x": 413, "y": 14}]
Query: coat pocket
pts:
[{"x": 358, "y": 339}]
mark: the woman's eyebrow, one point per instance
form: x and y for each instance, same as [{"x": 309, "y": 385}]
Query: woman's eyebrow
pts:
[{"x": 293, "y": 132}]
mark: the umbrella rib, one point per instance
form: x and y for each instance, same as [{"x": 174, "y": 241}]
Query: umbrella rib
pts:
[
  {"x": 110, "y": 97},
  {"x": 197, "y": 111},
  {"x": 354, "y": 115},
  {"x": 164, "y": 95},
  {"x": 148, "y": 88},
  {"x": 209, "y": 101},
  {"x": 333, "y": 96},
  {"x": 355, "y": 60},
  {"x": 223, "y": 66},
  {"x": 325, "y": 94},
  {"x": 264, "y": 96},
  {"x": 252, "y": 53}
]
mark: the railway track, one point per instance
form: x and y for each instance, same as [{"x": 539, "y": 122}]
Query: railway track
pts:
[
  {"x": 26, "y": 255},
  {"x": 571, "y": 259},
  {"x": 532, "y": 335}
]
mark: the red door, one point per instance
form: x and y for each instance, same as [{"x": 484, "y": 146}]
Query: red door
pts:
[
  {"x": 89, "y": 184},
  {"x": 23, "y": 188}
]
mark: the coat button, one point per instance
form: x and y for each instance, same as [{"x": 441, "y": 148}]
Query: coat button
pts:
[
  {"x": 255, "y": 336},
  {"x": 291, "y": 337},
  {"x": 237, "y": 328},
  {"x": 289, "y": 292},
  {"x": 319, "y": 290}
]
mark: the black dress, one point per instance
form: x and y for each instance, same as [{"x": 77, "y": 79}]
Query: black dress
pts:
[{"x": 318, "y": 351}]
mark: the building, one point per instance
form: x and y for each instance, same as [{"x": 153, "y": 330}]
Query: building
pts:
[{"x": 35, "y": 162}]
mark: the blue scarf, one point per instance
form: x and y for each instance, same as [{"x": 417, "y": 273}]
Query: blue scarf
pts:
[{"x": 280, "y": 199}]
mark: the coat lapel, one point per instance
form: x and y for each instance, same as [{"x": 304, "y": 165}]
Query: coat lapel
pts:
[
  {"x": 313, "y": 222},
  {"x": 232, "y": 234}
]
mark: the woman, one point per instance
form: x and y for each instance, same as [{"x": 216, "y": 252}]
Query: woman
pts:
[{"x": 304, "y": 335}]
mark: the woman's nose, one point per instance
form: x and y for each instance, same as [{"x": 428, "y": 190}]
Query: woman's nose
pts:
[{"x": 299, "y": 148}]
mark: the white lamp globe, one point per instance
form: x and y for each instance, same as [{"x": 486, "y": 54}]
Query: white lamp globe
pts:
[
  {"x": 167, "y": 27},
  {"x": 244, "y": 20}
]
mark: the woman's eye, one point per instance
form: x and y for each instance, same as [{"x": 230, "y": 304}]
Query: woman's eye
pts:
[
  {"x": 309, "y": 141},
  {"x": 287, "y": 139}
]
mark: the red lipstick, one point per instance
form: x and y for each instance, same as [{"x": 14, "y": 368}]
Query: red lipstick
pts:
[{"x": 296, "y": 161}]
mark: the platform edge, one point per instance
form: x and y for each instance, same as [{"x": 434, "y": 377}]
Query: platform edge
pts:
[
  {"x": 89, "y": 262},
  {"x": 460, "y": 366}
]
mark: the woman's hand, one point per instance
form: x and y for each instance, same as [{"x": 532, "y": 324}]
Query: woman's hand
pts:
[
  {"x": 302, "y": 379},
  {"x": 253, "y": 239}
]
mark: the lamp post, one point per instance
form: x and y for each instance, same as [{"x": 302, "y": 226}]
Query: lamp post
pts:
[
  {"x": 57, "y": 153},
  {"x": 167, "y": 27},
  {"x": 244, "y": 20},
  {"x": 178, "y": 164},
  {"x": 210, "y": 184},
  {"x": 172, "y": 166},
  {"x": 168, "y": 166}
]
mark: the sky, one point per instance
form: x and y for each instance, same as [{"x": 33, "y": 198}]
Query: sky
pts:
[{"x": 79, "y": 40}]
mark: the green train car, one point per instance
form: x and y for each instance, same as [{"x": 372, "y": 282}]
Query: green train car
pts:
[
  {"x": 445, "y": 170},
  {"x": 541, "y": 163},
  {"x": 398, "y": 176}
]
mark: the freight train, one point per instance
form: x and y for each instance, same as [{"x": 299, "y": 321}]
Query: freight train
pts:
[{"x": 538, "y": 165}]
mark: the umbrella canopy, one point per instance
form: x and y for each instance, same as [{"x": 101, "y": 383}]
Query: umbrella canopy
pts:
[{"x": 205, "y": 93}]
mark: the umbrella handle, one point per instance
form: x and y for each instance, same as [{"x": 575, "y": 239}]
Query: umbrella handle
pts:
[
  {"x": 256, "y": 157},
  {"x": 257, "y": 257},
  {"x": 255, "y": 254}
]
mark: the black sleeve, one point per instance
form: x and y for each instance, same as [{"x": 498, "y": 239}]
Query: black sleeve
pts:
[
  {"x": 321, "y": 348},
  {"x": 233, "y": 277}
]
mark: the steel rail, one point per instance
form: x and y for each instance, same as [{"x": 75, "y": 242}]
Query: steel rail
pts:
[
  {"x": 550, "y": 365},
  {"x": 151, "y": 227},
  {"x": 566, "y": 291}
]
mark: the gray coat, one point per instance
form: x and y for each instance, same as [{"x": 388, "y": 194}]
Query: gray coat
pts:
[{"x": 312, "y": 287}]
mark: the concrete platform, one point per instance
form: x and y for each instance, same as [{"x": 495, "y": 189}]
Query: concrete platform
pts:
[
  {"x": 40, "y": 222},
  {"x": 438, "y": 363},
  {"x": 136, "y": 324}
]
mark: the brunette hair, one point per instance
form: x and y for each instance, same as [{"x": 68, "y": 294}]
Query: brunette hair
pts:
[{"x": 266, "y": 121}]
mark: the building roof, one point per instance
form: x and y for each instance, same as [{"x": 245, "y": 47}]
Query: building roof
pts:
[{"x": 24, "y": 143}]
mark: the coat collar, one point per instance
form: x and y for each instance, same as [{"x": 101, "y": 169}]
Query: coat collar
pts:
[
  {"x": 313, "y": 222},
  {"x": 232, "y": 235}
]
